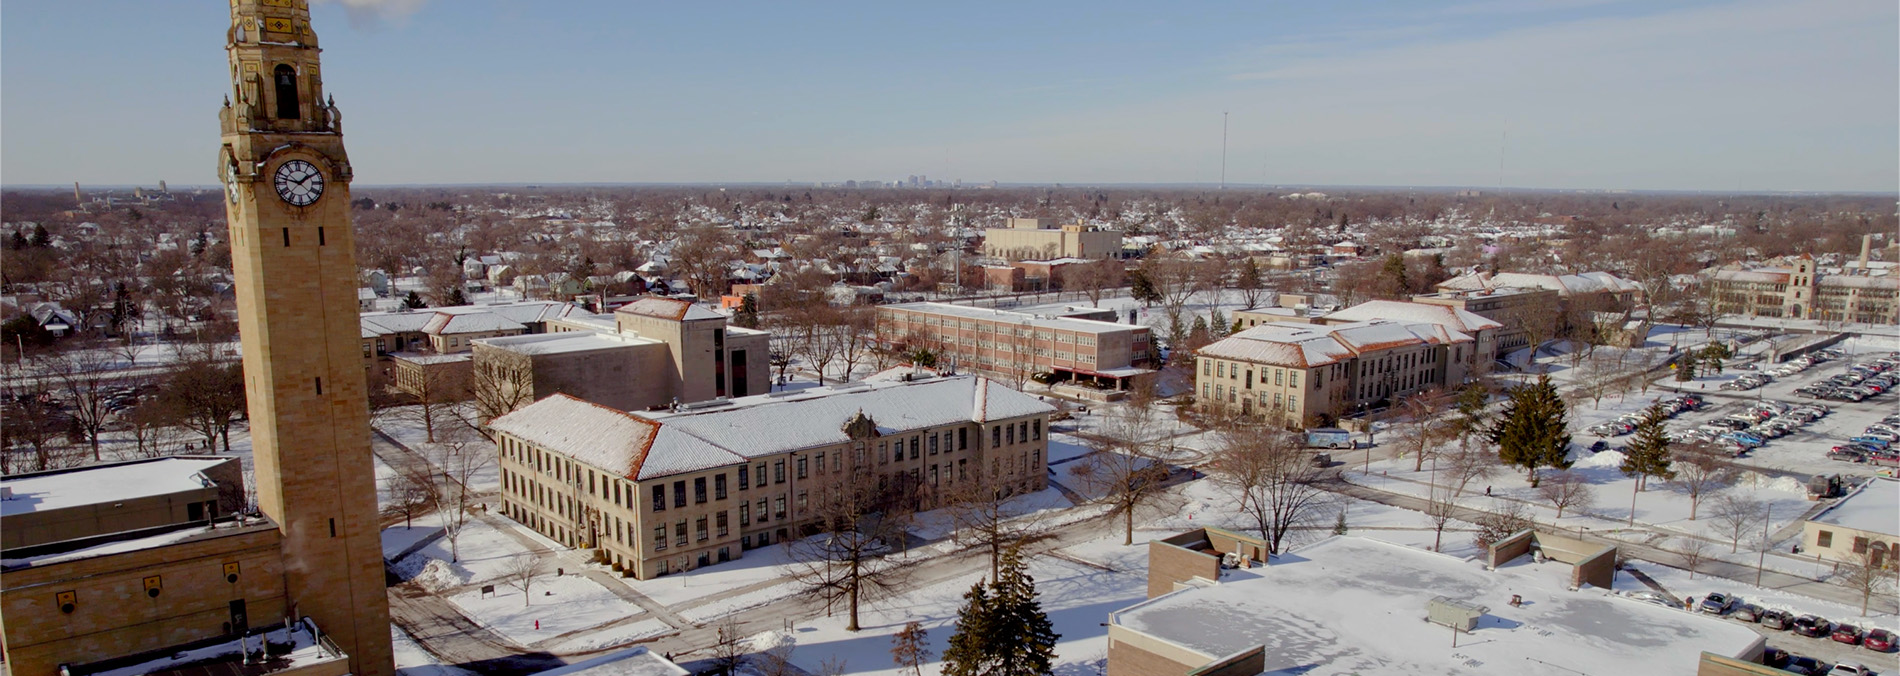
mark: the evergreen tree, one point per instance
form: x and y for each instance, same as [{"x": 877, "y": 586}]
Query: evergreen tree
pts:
[
  {"x": 456, "y": 297},
  {"x": 41, "y": 238},
  {"x": 414, "y": 301},
  {"x": 1647, "y": 454},
  {"x": 1339, "y": 524},
  {"x": 968, "y": 654},
  {"x": 1685, "y": 369},
  {"x": 1198, "y": 335},
  {"x": 1713, "y": 355},
  {"x": 1217, "y": 325},
  {"x": 1533, "y": 431},
  {"x": 748, "y": 314},
  {"x": 1395, "y": 282},
  {"x": 1002, "y": 630},
  {"x": 1249, "y": 282},
  {"x": 1141, "y": 288},
  {"x": 18, "y": 241}
]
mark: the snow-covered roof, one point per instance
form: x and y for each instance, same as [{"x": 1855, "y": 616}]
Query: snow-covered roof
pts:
[
  {"x": 1565, "y": 285},
  {"x": 1764, "y": 275},
  {"x": 632, "y": 662},
  {"x": 816, "y": 417},
  {"x": 108, "y": 483},
  {"x": 1873, "y": 508},
  {"x": 420, "y": 358},
  {"x": 385, "y": 323},
  {"x": 1353, "y": 605},
  {"x": 565, "y": 341},
  {"x": 1058, "y": 323},
  {"x": 448, "y": 321},
  {"x": 1449, "y": 317},
  {"x": 1308, "y": 345},
  {"x": 1882, "y": 282},
  {"x": 669, "y": 308}
]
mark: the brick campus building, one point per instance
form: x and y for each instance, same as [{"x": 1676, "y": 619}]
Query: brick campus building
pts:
[
  {"x": 103, "y": 590},
  {"x": 663, "y": 492}
]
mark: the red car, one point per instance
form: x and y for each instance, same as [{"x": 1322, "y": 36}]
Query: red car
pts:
[
  {"x": 1878, "y": 640},
  {"x": 1846, "y": 633}
]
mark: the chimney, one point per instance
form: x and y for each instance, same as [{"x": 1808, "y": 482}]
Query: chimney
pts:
[{"x": 1866, "y": 243}]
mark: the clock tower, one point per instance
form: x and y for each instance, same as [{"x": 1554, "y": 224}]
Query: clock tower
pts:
[{"x": 287, "y": 199}]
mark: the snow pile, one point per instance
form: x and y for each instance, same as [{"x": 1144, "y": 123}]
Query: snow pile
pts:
[
  {"x": 1784, "y": 484},
  {"x": 437, "y": 575},
  {"x": 1602, "y": 460}
]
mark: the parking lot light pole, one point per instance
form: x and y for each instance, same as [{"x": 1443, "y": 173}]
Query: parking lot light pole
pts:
[{"x": 1767, "y": 517}]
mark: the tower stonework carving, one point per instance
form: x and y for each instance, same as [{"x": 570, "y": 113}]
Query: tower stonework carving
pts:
[{"x": 287, "y": 199}]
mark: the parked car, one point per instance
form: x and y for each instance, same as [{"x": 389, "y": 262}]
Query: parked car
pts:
[
  {"x": 1875, "y": 442},
  {"x": 1774, "y": 657},
  {"x": 1878, "y": 640},
  {"x": 1846, "y": 454},
  {"x": 1846, "y": 633},
  {"x": 1882, "y": 435},
  {"x": 1811, "y": 626},
  {"x": 1747, "y": 612},
  {"x": 1849, "y": 669},
  {"x": 1802, "y": 664},
  {"x": 1777, "y": 619},
  {"x": 1717, "y": 603}
]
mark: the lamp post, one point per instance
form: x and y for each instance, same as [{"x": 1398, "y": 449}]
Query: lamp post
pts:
[{"x": 1761, "y": 560}]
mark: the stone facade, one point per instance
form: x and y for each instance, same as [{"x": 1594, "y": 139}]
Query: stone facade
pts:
[
  {"x": 1803, "y": 291},
  {"x": 1041, "y": 239},
  {"x": 295, "y": 273},
  {"x": 1012, "y": 345},
  {"x": 1301, "y": 375}
]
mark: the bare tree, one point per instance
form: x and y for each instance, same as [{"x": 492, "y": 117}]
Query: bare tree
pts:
[
  {"x": 1123, "y": 472},
  {"x": 410, "y": 493},
  {"x": 1738, "y": 515},
  {"x": 854, "y": 332},
  {"x": 455, "y": 461},
  {"x": 1693, "y": 551},
  {"x": 1439, "y": 511},
  {"x": 499, "y": 383},
  {"x": 848, "y": 560},
  {"x": 519, "y": 572},
  {"x": 1869, "y": 576},
  {"x": 979, "y": 509},
  {"x": 1700, "y": 471},
  {"x": 1274, "y": 480},
  {"x": 80, "y": 377},
  {"x": 1505, "y": 518},
  {"x": 1094, "y": 279},
  {"x": 1418, "y": 429},
  {"x": 1566, "y": 490},
  {"x": 31, "y": 422},
  {"x": 910, "y": 647},
  {"x": 429, "y": 392},
  {"x": 207, "y": 392},
  {"x": 729, "y": 647},
  {"x": 1470, "y": 462}
]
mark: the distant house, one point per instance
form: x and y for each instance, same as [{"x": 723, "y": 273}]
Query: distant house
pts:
[{"x": 57, "y": 320}]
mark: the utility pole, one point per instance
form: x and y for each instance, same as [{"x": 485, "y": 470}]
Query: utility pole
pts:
[{"x": 1761, "y": 560}]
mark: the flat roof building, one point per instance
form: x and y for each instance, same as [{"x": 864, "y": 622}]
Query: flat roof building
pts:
[
  {"x": 1015, "y": 345},
  {"x": 1863, "y": 527},
  {"x": 1352, "y": 605},
  {"x": 1308, "y": 375}
]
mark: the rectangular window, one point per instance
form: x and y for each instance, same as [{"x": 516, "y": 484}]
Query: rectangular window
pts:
[
  {"x": 699, "y": 491},
  {"x": 1022, "y": 430},
  {"x": 996, "y": 434},
  {"x": 679, "y": 533},
  {"x": 1824, "y": 538},
  {"x": 659, "y": 537},
  {"x": 778, "y": 508},
  {"x": 837, "y": 460},
  {"x": 744, "y": 475},
  {"x": 1293, "y": 379},
  {"x": 1860, "y": 545},
  {"x": 802, "y": 467},
  {"x": 1009, "y": 434},
  {"x": 821, "y": 462},
  {"x": 915, "y": 447},
  {"x": 803, "y": 501},
  {"x": 963, "y": 438},
  {"x": 699, "y": 528},
  {"x": 719, "y": 485},
  {"x": 1279, "y": 375},
  {"x": 762, "y": 512},
  {"x": 1035, "y": 428},
  {"x": 679, "y": 493},
  {"x": 1220, "y": 370},
  {"x": 761, "y": 475},
  {"x": 1293, "y": 402},
  {"x": 778, "y": 471},
  {"x": 719, "y": 522},
  {"x": 659, "y": 498},
  {"x": 745, "y": 514},
  {"x": 933, "y": 444},
  {"x": 1207, "y": 367},
  {"x": 883, "y": 452}
]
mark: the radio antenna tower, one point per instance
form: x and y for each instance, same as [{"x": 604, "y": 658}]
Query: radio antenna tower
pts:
[{"x": 1223, "y": 150}]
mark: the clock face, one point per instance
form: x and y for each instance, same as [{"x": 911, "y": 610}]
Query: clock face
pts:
[
  {"x": 299, "y": 183},
  {"x": 231, "y": 182}
]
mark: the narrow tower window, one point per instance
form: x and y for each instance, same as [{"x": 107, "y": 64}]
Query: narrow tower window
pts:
[
  {"x": 287, "y": 108},
  {"x": 319, "y": 235},
  {"x": 286, "y": 237}
]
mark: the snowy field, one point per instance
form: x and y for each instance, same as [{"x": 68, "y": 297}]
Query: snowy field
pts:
[{"x": 556, "y": 607}]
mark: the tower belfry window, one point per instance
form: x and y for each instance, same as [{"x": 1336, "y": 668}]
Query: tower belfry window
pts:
[{"x": 286, "y": 78}]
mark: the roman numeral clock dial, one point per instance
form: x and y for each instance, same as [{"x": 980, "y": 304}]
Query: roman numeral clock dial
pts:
[{"x": 299, "y": 183}]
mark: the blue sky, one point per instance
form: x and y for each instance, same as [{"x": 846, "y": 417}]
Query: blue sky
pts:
[{"x": 1779, "y": 95}]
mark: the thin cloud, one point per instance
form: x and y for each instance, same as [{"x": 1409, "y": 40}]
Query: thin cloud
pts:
[{"x": 373, "y": 13}]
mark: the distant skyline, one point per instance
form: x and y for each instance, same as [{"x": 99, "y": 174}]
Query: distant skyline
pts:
[{"x": 1579, "y": 94}]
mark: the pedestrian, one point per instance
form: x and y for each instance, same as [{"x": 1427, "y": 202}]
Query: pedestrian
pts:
[{"x": 1487, "y": 491}]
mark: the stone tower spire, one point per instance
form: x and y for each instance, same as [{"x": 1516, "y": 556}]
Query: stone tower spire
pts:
[{"x": 287, "y": 193}]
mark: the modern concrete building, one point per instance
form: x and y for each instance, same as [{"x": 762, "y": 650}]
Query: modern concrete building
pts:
[
  {"x": 1043, "y": 239},
  {"x": 1013, "y": 345},
  {"x": 1308, "y": 375},
  {"x": 1352, "y": 605},
  {"x": 663, "y": 492},
  {"x": 1863, "y": 527},
  {"x": 56, "y": 506},
  {"x": 653, "y": 352},
  {"x": 1803, "y": 291}
]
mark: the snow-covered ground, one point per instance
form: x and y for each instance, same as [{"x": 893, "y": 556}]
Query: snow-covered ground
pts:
[
  {"x": 556, "y": 606},
  {"x": 412, "y": 660}
]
